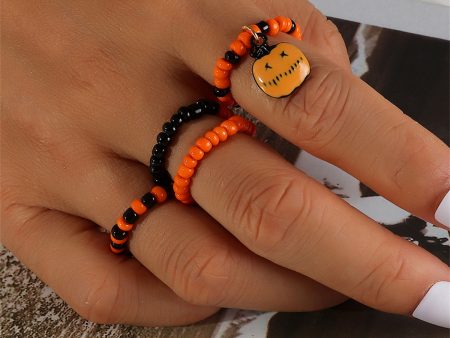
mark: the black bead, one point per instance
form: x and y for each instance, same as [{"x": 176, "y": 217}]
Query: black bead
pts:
[
  {"x": 220, "y": 92},
  {"x": 163, "y": 139},
  {"x": 157, "y": 170},
  {"x": 149, "y": 200},
  {"x": 263, "y": 26},
  {"x": 176, "y": 120},
  {"x": 197, "y": 110},
  {"x": 292, "y": 28},
  {"x": 209, "y": 107},
  {"x": 212, "y": 107},
  {"x": 169, "y": 128},
  {"x": 232, "y": 57},
  {"x": 159, "y": 150},
  {"x": 156, "y": 161},
  {"x": 185, "y": 114},
  {"x": 117, "y": 233},
  {"x": 118, "y": 246},
  {"x": 130, "y": 216},
  {"x": 163, "y": 180},
  {"x": 169, "y": 190}
]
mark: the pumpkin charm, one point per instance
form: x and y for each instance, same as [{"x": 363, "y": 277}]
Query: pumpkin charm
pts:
[{"x": 280, "y": 69}]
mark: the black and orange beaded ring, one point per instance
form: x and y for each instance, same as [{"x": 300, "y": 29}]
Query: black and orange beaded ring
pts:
[
  {"x": 157, "y": 165},
  {"x": 204, "y": 145},
  {"x": 278, "y": 70},
  {"x": 120, "y": 232}
]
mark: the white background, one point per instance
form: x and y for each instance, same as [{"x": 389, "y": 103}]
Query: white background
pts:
[{"x": 425, "y": 17}]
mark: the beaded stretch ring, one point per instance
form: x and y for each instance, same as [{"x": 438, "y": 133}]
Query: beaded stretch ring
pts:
[
  {"x": 253, "y": 39},
  {"x": 184, "y": 114},
  {"x": 120, "y": 231},
  {"x": 204, "y": 145}
]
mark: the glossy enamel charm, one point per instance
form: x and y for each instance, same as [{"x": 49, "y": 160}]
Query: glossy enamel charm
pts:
[{"x": 279, "y": 69}]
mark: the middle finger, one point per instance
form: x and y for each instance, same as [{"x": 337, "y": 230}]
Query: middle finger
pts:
[{"x": 339, "y": 118}]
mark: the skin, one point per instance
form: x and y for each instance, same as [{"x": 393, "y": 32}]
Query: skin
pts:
[{"x": 86, "y": 87}]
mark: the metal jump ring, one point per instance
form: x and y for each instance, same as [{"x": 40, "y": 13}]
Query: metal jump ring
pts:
[{"x": 259, "y": 40}]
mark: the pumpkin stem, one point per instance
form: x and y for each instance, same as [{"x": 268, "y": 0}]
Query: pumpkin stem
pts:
[{"x": 259, "y": 48}]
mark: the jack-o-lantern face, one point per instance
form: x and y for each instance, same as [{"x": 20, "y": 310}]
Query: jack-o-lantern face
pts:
[{"x": 281, "y": 71}]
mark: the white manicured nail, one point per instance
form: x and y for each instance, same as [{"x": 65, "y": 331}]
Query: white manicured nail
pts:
[
  {"x": 443, "y": 211},
  {"x": 435, "y": 306}
]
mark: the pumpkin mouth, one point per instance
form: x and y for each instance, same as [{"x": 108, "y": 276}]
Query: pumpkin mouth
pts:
[{"x": 278, "y": 78}]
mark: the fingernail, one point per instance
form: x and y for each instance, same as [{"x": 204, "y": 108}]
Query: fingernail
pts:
[
  {"x": 435, "y": 306},
  {"x": 442, "y": 214}
]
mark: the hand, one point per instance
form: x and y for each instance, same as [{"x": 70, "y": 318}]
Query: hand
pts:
[{"x": 88, "y": 88}]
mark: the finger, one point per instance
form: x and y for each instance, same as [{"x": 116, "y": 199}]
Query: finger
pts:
[
  {"x": 339, "y": 118},
  {"x": 69, "y": 254},
  {"x": 318, "y": 31},
  {"x": 205, "y": 265},
  {"x": 208, "y": 266},
  {"x": 99, "y": 187},
  {"x": 288, "y": 218}
]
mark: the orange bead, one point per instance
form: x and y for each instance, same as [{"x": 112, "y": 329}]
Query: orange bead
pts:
[
  {"x": 116, "y": 251},
  {"x": 220, "y": 73},
  {"x": 160, "y": 193},
  {"x": 222, "y": 83},
  {"x": 230, "y": 126},
  {"x": 180, "y": 190},
  {"x": 183, "y": 197},
  {"x": 180, "y": 181},
  {"x": 227, "y": 99},
  {"x": 204, "y": 144},
  {"x": 185, "y": 172},
  {"x": 245, "y": 38},
  {"x": 284, "y": 23},
  {"x": 224, "y": 64},
  {"x": 124, "y": 226},
  {"x": 196, "y": 153},
  {"x": 138, "y": 207},
  {"x": 212, "y": 137},
  {"x": 238, "y": 47},
  {"x": 255, "y": 28},
  {"x": 274, "y": 27},
  {"x": 118, "y": 241},
  {"x": 222, "y": 133},
  {"x": 188, "y": 201},
  {"x": 189, "y": 162},
  {"x": 240, "y": 122},
  {"x": 297, "y": 33}
]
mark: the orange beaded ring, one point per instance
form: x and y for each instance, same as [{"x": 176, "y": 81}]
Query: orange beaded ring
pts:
[
  {"x": 120, "y": 231},
  {"x": 204, "y": 145},
  {"x": 241, "y": 46}
]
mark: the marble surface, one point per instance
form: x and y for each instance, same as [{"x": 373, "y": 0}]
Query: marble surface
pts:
[{"x": 31, "y": 309}]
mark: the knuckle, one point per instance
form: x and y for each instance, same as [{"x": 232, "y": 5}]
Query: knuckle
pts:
[
  {"x": 203, "y": 276},
  {"x": 100, "y": 302},
  {"x": 20, "y": 228},
  {"x": 415, "y": 145},
  {"x": 317, "y": 112},
  {"x": 267, "y": 212},
  {"x": 96, "y": 69},
  {"x": 374, "y": 288}
]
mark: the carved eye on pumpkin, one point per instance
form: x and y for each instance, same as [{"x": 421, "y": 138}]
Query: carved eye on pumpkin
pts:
[{"x": 281, "y": 71}]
